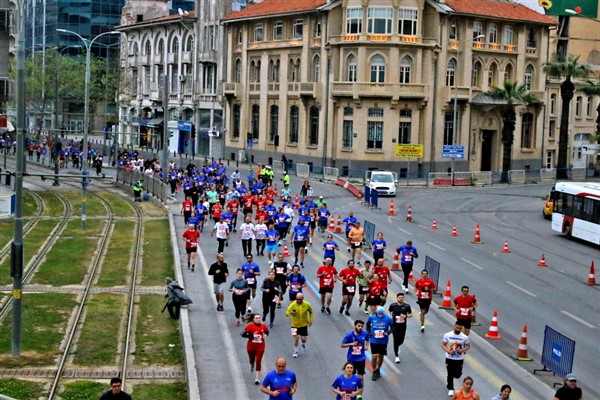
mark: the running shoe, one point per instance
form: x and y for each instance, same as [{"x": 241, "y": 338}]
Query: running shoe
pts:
[
  {"x": 405, "y": 290},
  {"x": 450, "y": 392},
  {"x": 341, "y": 309},
  {"x": 347, "y": 313},
  {"x": 278, "y": 305},
  {"x": 366, "y": 310},
  {"x": 256, "y": 382},
  {"x": 358, "y": 263},
  {"x": 193, "y": 268},
  {"x": 322, "y": 309},
  {"x": 295, "y": 355},
  {"x": 301, "y": 265},
  {"x": 328, "y": 311},
  {"x": 397, "y": 361},
  {"x": 251, "y": 368},
  {"x": 304, "y": 346},
  {"x": 249, "y": 310},
  {"x": 218, "y": 307},
  {"x": 271, "y": 325},
  {"x": 305, "y": 250},
  {"x": 348, "y": 248},
  {"x": 422, "y": 328}
]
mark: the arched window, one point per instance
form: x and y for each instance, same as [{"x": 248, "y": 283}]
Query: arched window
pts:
[
  {"x": 316, "y": 72},
  {"x": 135, "y": 49},
  {"x": 527, "y": 131},
  {"x": 147, "y": 48},
  {"x": 377, "y": 69},
  {"x": 238, "y": 71},
  {"x": 255, "y": 121},
  {"x": 189, "y": 44},
  {"x": 509, "y": 74},
  {"x": 589, "y": 106},
  {"x": 578, "y": 106},
  {"x": 294, "y": 70},
  {"x": 160, "y": 49},
  {"x": 175, "y": 45},
  {"x": 492, "y": 33},
  {"x": 255, "y": 71},
  {"x": 313, "y": 130},
  {"x": 507, "y": 36},
  {"x": 351, "y": 62},
  {"x": 476, "y": 75},
  {"x": 237, "y": 118},
  {"x": 405, "y": 67},
  {"x": 477, "y": 31},
  {"x": 528, "y": 78},
  {"x": 451, "y": 72},
  {"x": 274, "y": 117},
  {"x": 274, "y": 70},
  {"x": 294, "y": 118},
  {"x": 493, "y": 75}
]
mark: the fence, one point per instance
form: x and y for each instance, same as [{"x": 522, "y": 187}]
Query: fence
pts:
[
  {"x": 371, "y": 198},
  {"x": 369, "y": 228},
  {"x": 433, "y": 267},
  {"x": 152, "y": 185},
  {"x": 557, "y": 354}
]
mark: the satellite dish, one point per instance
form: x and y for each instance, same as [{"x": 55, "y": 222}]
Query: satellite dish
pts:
[{"x": 180, "y": 11}]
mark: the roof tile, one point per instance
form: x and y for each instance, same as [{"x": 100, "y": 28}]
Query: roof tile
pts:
[
  {"x": 499, "y": 9},
  {"x": 274, "y": 7}
]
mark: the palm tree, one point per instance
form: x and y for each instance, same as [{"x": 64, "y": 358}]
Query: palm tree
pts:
[
  {"x": 510, "y": 95},
  {"x": 566, "y": 68},
  {"x": 592, "y": 88}
]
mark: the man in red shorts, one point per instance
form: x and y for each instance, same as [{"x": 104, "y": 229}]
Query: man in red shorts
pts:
[
  {"x": 424, "y": 288},
  {"x": 191, "y": 238},
  {"x": 327, "y": 275},
  {"x": 464, "y": 305}
]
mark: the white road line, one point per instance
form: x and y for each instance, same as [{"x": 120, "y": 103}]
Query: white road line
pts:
[
  {"x": 436, "y": 246},
  {"x": 521, "y": 289},
  {"x": 473, "y": 264},
  {"x": 402, "y": 230},
  {"x": 568, "y": 314}
]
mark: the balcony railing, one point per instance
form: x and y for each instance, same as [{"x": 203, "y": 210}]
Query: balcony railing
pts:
[
  {"x": 372, "y": 38},
  {"x": 231, "y": 89},
  {"x": 495, "y": 47},
  {"x": 368, "y": 89}
]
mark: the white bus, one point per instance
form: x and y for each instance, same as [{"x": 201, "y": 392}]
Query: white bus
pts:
[{"x": 576, "y": 211}]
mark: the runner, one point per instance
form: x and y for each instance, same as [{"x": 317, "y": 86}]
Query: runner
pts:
[
  {"x": 379, "y": 326},
  {"x": 385, "y": 278},
  {"x": 356, "y": 235},
  {"x": 271, "y": 239},
  {"x": 247, "y": 230},
  {"x": 329, "y": 248},
  {"x": 281, "y": 268},
  {"x": 270, "y": 297},
  {"x": 465, "y": 305},
  {"x": 280, "y": 384},
  {"x": 256, "y": 332},
  {"x": 327, "y": 275},
  {"x": 357, "y": 343},
  {"x": 282, "y": 222},
  {"x": 251, "y": 271},
  {"x": 260, "y": 233},
  {"x": 399, "y": 311},
  {"x": 407, "y": 253},
  {"x": 302, "y": 315},
  {"x": 222, "y": 230},
  {"x": 347, "y": 386},
  {"x": 295, "y": 282},
  {"x": 299, "y": 237},
  {"x": 455, "y": 345},
  {"x": 324, "y": 215},
  {"x": 186, "y": 209},
  {"x": 424, "y": 288},
  {"x": 466, "y": 392},
  {"x": 220, "y": 273},
  {"x": 191, "y": 237},
  {"x": 375, "y": 293},
  {"x": 363, "y": 285},
  {"x": 378, "y": 245},
  {"x": 202, "y": 213},
  {"x": 240, "y": 289},
  {"x": 348, "y": 277}
]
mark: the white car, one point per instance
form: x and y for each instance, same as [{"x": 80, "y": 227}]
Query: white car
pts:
[{"x": 383, "y": 181}]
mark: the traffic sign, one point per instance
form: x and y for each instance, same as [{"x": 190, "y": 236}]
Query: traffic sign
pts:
[
  {"x": 409, "y": 150},
  {"x": 453, "y": 151}
]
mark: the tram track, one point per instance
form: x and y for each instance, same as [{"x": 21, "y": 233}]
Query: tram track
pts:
[{"x": 5, "y": 251}]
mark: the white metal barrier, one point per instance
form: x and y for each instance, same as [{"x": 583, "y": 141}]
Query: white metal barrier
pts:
[
  {"x": 548, "y": 175},
  {"x": 463, "y": 178},
  {"x": 302, "y": 170},
  {"x": 516, "y": 176},
  {"x": 278, "y": 166},
  {"x": 480, "y": 178},
  {"x": 330, "y": 173}
]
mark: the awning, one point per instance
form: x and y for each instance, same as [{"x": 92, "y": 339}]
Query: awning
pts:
[
  {"x": 154, "y": 122},
  {"x": 485, "y": 100}
]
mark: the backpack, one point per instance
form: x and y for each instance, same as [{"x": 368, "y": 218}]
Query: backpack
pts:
[{"x": 176, "y": 293}]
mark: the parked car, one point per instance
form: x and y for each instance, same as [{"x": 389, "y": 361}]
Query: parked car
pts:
[{"x": 548, "y": 206}]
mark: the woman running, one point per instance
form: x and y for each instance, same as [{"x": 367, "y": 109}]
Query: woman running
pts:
[{"x": 256, "y": 332}]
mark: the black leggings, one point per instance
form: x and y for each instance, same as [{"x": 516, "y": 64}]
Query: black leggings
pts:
[
  {"x": 247, "y": 246},
  {"x": 454, "y": 370},
  {"x": 282, "y": 231},
  {"x": 399, "y": 333},
  {"x": 268, "y": 308},
  {"x": 260, "y": 245},
  {"x": 239, "y": 302},
  {"x": 221, "y": 245},
  {"x": 406, "y": 268}
]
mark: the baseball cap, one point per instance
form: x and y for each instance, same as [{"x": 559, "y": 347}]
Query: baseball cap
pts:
[
  {"x": 571, "y": 377},
  {"x": 320, "y": 197},
  {"x": 380, "y": 310}
]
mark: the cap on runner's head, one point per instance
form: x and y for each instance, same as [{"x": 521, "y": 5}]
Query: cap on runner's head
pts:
[
  {"x": 571, "y": 377},
  {"x": 380, "y": 310},
  {"x": 320, "y": 197}
]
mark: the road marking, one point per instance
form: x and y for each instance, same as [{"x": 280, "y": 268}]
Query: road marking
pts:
[
  {"x": 568, "y": 314},
  {"x": 403, "y": 230},
  {"x": 521, "y": 289},
  {"x": 473, "y": 264},
  {"x": 436, "y": 246}
]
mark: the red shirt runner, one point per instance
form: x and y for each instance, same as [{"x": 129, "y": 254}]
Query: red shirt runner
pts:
[
  {"x": 191, "y": 239},
  {"x": 349, "y": 276},
  {"x": 425, "y": 288},
  {"x": 326, "y": 280},
  {"x": 384, "y": 273},
  {"x": 255, "y": 341},
  {"x": 464, "y": 306}
]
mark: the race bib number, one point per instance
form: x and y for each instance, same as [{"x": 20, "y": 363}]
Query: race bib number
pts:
[
  {"x": 193, "y": 244},
  {"x": 408, "y": 258},
  {"x": 400, "y": 318},
  {"x": 357, "y": 350},
  {"x": 294, "y": 331},
  {"x": 326, "y": 282},
  {"x": 257, "y": 338},
  {"x": 299, "y": 238},
  {"x": 357, "y": 243},
  {"x": 464, "y": 311},
  {"x": 294, "y": 286},
  {"x": 238, "y": 292},
  {"x": 279, "y": 270},
  {"x": 350, "y": 289},
  {"x": 425, "y": 295},
  {"x": 250, "y": 281},
  {"x": 379, "y": 334}
]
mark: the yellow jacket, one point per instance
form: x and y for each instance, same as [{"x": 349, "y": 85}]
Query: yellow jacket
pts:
[{"x": 302, "y": 314}]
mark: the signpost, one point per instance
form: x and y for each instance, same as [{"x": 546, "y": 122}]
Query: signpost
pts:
[
  {"x": 453, "y": 151},
  {"x": 408, "y": 151}
]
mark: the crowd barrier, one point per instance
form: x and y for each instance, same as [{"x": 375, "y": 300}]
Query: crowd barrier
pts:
[
  {"x": 433, "y": 267},
  {"x": 151, "y": 185},
  {"x": 302, "y": 170},
  {"x": 558, "y": 353},
  {"x": 369, "y": 228}
]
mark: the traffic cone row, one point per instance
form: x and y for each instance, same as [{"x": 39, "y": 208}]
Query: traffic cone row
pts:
[
  {"x": 505, "y": 249},
  {"x": 477, "y": 239},
  {"x": 409, "y": 214},
  {"x": 332, "y": 223},
  {"x": 447, "y": 302},
  {"x": 338, "y": 228},
  {"x": 522, "y": 349},
  {"x": 396, "y": 262},
  {"x": 434, "y": 226},
  {"x": 592, "y": 275},
  {"x": 542, "y": 262},
  {"x": 286, "y": 252},
  {"x": 454, "y": 232},
  {"x": 493, "y": 331},
  {"x": 391, "y": 212}
]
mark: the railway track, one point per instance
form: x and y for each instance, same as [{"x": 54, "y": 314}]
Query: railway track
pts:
[{"x": 5, "y": 251}]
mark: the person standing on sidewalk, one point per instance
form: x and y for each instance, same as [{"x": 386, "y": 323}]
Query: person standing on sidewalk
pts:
[
  {"x": 455, "y": 344},
  {"x": 400, "y": 312},
  {"x": 302, "y": 315},
  {"x": 407, "y": 254},
  {"x": 220, "y": 273}
]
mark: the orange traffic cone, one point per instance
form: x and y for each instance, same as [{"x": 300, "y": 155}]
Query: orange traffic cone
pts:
[
  {"x": 286, "y": 252},
  {"x": 391, "y": 212},
  {"x": 493, "y": 332},
  {"x": 434, "y": 225},
  {"x": 297, "y": 202},
  {"x": 592, "y": 275},
  {"x": 332, "y": 223},
  {"x": 454, "y": 233},
  {"x": 505, "y": 249},
  {"x": 477, "y": 239},
  {"x": 447, "y": 302},
  {"x": 338, "y": 228},
  {"x": 542, "y": 262},
  {"x": 410, "y": 276},
  {"x": 409, "y": 214},
  {"x": 396, "y": 263},
  {"x": 522, "y": 349}
]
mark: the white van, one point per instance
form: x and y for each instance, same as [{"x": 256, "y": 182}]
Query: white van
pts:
[{"x": 383, "y": 181}]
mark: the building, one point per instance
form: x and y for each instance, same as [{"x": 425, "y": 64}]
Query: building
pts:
[
  {"x": 183, "y": 51},
  {"x": 5, "y": 42},
  {"x": 342, "y": 83}
]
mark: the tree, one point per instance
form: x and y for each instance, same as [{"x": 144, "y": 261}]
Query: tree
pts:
[
  {"x": 592, "y": 88},
  {"x": 567, "y": 68},
  {"x": 510, "y": 94}
]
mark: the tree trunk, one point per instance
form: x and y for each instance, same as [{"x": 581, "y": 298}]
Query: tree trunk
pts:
[
  {"x": 508, "y": 137},
  {"x": 566, "y": 94}
]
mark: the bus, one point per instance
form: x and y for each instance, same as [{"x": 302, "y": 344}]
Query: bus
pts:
[{"x": 576, "y": 211}]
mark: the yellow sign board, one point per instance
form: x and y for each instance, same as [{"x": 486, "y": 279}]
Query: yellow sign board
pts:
[{"x": 409, "y": 150}]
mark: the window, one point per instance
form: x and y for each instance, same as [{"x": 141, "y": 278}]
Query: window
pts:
[
  {"x": 313, "y": 131},
  {"x": 379, "y": 20},
  {"x": 578, "y": 106},
  {"x": 449, "y": 127},
  {"x": 509, "y": 73},
  {"x": 351, "y": 68},
  {"x": 298, "y": 25},
  {"x": 238, "y": 71},
  {"x": 527, "y": 131},
  {"x": 294, "y": 117},
  {"x": 477, "y": 31},
  {"x": 188, "y": 85},
  {"x": 493, "y": 75},
  {"x": 237, "y": 118},
  {"x": 404, "y": 126},
  {"x": 375, "y": 112},
  {"x": 348, "y": 111},
  {"x": 209, "y": 83},
  {"x": 278, "y": 30},
  {"x": 148, "y": 48},
  {"x": 507, "y": 36},
  {"x": 294, "y": 70},
  {"x": 175, "y": 45},
  {"x": 476, "y": 75},
  {"x": 147, "y": 76},
  {"x": 552, "y": 129},
  {"x": 212, "y": 38},
  {"x": 492, "y": 33},
  {"x": 553, "y": 104},
  {"x": 160, "y": 72},
  {"x": 589, "y": 106},
  {"x": 274, "y": 70},
  {"x": 174, "y": 79},
  {"x": 453, "y": 31},
  {"x": 550, "y": 159},
  {"x": 348, "y": 133},
  {"x": 374, "y": 135},
  {"x": 317, "y": 30},
  {"x": 255, "y": 121},
  {"x": 274, "y": 122},
  {"x": 531, "y": 42},
  {"x": 189, "y": 43},
  {"x": 160, "y": 49},
  {"x": 316, "y": 73},
  {"x": 377, "y": 69},
  {"x": 528, "y": 79},
  {"x": 450, "y": 72},
  {"x": 407, "y": 21},
  {"x": 240, "y": 36},
  {"x": 405, "y": 65},
  {"x": 354, "y": 20},
  {"x": 255, "y": 71},
  {"x": 258, "y": 33}
]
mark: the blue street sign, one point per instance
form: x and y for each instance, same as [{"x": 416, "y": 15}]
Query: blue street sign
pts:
[{"x": 453, "y": 151}]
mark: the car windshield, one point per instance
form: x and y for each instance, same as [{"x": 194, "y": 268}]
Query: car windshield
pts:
[{"x": 382, "y": 178}]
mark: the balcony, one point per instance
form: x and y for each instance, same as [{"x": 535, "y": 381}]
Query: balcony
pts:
[
  {"x": 375, "y": 39},
  {"x": 462, "y": 93},
  {"x": 232, "y": 89},
  {"x": 531, "y": 52},
  {"x": 368, "y": 89},
  {"x": 495, "y": 47},
  {"x": 305, "y": 89}
]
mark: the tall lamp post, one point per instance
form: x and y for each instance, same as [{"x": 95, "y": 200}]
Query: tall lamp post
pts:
[
  {"x": 86, "y": 115},
  {"x": 455, "y": 108}
]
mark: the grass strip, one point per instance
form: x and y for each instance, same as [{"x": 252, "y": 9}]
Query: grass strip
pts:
[
  {"x": 120, "y": 206},
  {"x": 53, "y": 206},
  {"x": 98, "y": 341},
  {"x": 31, "y": 244},
  {"x": 21, "y": 390},
  {"x": 158, "y": 255},
  {"x": 157, "y": 340},
  {"x": 29, "y": 205},
  {"x": 115, "y": 266},
  {"x": 166, "y": 391},
  {"x": 45, "y": 319},
  {"x": 67, "y": 262},
  {"x": 93, "y": 227},
  {"x": 85, "y": 390},
  {"x": 95, "y": 207},
  {"x": 7, "y": 230}
]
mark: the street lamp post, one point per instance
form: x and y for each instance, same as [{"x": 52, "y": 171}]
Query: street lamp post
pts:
[{"x": 86, "y": 116}]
